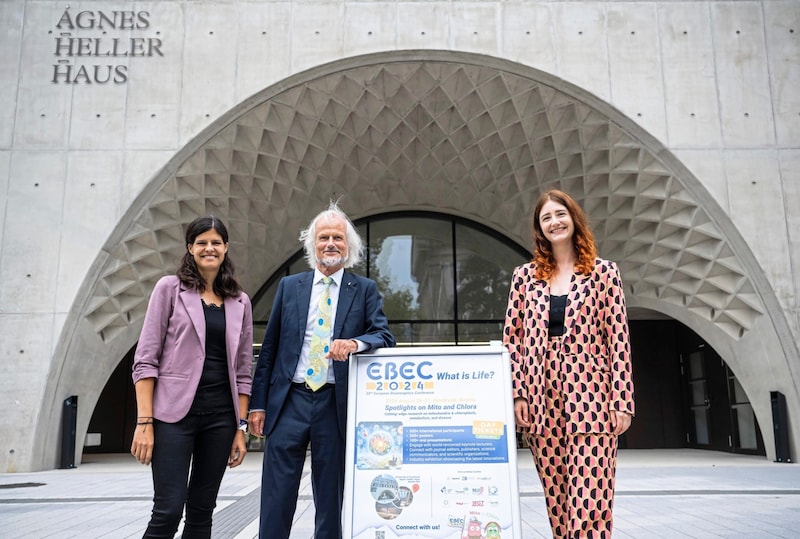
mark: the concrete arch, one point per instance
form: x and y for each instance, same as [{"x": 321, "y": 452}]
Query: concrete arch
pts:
[{"x": 467, "y": 134}]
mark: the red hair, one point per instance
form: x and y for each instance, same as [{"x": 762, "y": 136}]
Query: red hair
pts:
[{"x": 582, "y": 239}]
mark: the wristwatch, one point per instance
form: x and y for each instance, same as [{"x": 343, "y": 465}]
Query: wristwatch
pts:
[{"x": 242, "y": 425}]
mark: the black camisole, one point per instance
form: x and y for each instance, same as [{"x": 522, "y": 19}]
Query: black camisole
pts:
[
  {"x": 558, "y": 307},
  {"x": 213, "y": 393}
]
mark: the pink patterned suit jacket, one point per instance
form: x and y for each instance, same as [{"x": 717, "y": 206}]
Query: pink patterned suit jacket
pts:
[{"x": 596, "y": 361}]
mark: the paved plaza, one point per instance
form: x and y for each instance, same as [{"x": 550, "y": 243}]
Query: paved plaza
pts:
[{"x": 660, "y": 493}]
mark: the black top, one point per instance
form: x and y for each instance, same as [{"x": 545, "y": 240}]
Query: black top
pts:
[
  {"x": 558, "y": 306},
  {"x": 214, "y": 393}
]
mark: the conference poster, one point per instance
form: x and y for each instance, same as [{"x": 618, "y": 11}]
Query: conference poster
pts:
[{"x": 432, "y": 449}]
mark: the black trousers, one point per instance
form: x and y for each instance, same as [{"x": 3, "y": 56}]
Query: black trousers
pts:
[{"x": 189, "y": 460}]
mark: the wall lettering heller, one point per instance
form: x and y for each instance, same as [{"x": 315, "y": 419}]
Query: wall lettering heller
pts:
[{"x": 90, "y": 35}]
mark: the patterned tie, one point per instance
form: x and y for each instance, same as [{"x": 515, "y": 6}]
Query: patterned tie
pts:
[{"x": 317, "y": 374}]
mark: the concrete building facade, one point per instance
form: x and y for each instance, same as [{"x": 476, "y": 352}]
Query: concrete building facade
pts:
[{"x": 676, "y": 124}]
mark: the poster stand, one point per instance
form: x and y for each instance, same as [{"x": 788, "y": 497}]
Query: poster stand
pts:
[{"x": 431, "y": 445}]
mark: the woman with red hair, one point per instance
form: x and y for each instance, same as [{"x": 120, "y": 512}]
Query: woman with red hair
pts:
[{"x": 566, "y": 330}]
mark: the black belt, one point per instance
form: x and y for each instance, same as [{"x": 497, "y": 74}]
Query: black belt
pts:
[{"x": 305, "y": 387}]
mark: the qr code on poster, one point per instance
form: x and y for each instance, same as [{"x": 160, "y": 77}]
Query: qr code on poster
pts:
[{"x": 380, "y": 535}]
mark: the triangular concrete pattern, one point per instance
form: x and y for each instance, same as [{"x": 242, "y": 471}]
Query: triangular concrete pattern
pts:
[{"x": 468, "y": 139}]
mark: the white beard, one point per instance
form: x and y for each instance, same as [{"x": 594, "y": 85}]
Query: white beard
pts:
[{"x": 329, "y": 262}]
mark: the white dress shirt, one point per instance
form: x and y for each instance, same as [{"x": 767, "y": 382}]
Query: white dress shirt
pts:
[{"x": 311, "y": 322}]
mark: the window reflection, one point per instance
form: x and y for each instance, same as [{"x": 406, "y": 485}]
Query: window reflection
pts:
[
  {"x": 484, "y": 273},
  {"x": 412, "y": 261}
]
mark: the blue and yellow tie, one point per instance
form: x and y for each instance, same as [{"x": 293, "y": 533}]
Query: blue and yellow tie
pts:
[{"x": 317, "y": 374}]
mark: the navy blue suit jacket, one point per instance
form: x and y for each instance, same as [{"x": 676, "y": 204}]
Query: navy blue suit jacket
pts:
[{"x": 359, "y": 315}]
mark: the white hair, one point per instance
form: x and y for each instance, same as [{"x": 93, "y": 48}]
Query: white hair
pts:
[{"x": 355, "y": 247}]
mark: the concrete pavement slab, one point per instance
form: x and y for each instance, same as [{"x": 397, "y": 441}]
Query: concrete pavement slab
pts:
[{"x": 660, "y": 493}]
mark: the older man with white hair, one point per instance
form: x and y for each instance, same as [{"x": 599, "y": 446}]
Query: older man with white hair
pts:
[{"x": 318, "y": 319}]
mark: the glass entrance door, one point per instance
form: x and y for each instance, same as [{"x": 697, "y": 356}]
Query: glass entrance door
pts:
[
  {"x": 699, "y": 402},
  {"x": 746, "y": 434}
]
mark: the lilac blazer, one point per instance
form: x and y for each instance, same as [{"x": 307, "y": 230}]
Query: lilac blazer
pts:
[{"x": 172, "y": 347}]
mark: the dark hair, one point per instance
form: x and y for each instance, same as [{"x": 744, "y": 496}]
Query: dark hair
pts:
[
  {"x": 225, "y": 285},
  {"x": 582, "y": 239}
]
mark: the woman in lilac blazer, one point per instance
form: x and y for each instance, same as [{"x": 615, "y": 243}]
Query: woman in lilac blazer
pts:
[{"x": 192, "y": 372}]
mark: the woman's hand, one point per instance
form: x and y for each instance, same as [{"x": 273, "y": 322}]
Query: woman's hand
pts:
[
  {"x": 620, "y": 421},
  {"x": 142, "y": 446},
  {"x": 143, "y": 436},
  {"x": 521, "y": 412},
  {"x": 238, "y": 449}
]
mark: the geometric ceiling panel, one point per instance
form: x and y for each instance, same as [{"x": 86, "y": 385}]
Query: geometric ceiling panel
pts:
[{"x": 430, "y": 135}]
